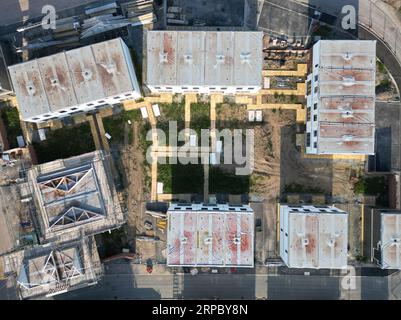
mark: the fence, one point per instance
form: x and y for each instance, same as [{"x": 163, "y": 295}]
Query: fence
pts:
[{"x": 382, "y": 25}]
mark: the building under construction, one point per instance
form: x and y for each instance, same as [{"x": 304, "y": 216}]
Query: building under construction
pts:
[
  {"x": 341, "y": 98},
  {"x": 313, "y": 236},
  {"x": 52, "y": 269},
  {"x": 204, "y": 61},
  {"x": 75, "y": 196},
  {"x": 214, "y": 235},
  {"x": 70, "y": 201},
  {"x": 75, "y": 81}
]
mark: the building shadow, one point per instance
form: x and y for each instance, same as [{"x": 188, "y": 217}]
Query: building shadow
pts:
[
  {"x": 300, "y": 176},
  {"x": 118, "y": 283}
]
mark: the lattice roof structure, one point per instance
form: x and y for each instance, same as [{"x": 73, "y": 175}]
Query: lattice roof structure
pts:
[
  {"x": 71, "y": 197},
  {"x": 76, "y": 193},
  {"x": 60, "y": 265}
]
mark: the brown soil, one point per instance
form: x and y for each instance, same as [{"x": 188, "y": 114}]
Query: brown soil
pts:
[{"x": 135, "y": 192}]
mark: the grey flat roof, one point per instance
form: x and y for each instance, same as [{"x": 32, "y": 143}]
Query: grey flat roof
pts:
[
  {"x": 71, "y": 78},
  {"x": 347, "y": 75},
  {"x": 390, "y": 239},
  {"x": 210, "y": 235},
  {"x": 204, "y": 58},
  {"x": 318, "y": 238}
]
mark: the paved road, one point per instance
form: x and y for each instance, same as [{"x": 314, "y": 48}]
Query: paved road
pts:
[
  {"x": 303, "y": 287},
  {"x": 7, "y": 290},
  {"x": 210, "y": 286},
  {"x": 126, "y": 286},
  {"x": 206, "y": 286}
]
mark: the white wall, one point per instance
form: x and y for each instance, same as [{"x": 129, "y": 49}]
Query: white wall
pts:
[
  {"x": 312, "y": 99},
  {"x": 131, "y": 95},
  {"x": 284, "y": 240},
  {"x": 205, "y": 89}
]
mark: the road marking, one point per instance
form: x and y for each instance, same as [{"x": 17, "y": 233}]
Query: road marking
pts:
[
  {"x": 362, "y": 226},
  {"x": 278, "y": 223}
]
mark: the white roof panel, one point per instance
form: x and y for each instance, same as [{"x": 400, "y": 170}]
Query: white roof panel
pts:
[
  {"x": 71, "y": 78},
  {"x": 210, "y": 235},
  {"x": 204, "y": 58}
]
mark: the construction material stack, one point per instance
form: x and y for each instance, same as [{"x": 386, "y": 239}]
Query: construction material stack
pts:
[
  {"x": 176, "y": 16},
  {"x": 139, "y": 12}
]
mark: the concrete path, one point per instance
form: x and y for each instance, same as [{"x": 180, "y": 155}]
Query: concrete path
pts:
[
  {"x": 189, "y": 99},
  {"x": 95, "y": 136},
  {"x": 301, "y": 112},
  {"x": 301, "y": 71}
]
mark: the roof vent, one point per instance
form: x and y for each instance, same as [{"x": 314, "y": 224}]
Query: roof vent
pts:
[
  {"x": 345, "y": 107},
  {"x": 347, "y": 114},
  {"x": 349, "y": 80},
  {"x": 110, "y": 68},
  {"x": 55, "y": 83},
  {"x": 305, "y": 242},
  {"x": 219, "y": 59},
  {"x": 188, "y": 58},
  {"x": 237, "y": 240},
  {"x": 163, "y": 57},
  {"x": 87, "y": 74},
  {"x": 31, "y": 89},
  {"x": 348, "y": 137},
  {"x": 184, "y": 240},
  {"x": 331, "y": 242},
  {"x": 395, "y": 241},
  {"x": 348, "y": 56},
  {"x": 208, "y": 240},
  {"x": 245, "y": 57}
]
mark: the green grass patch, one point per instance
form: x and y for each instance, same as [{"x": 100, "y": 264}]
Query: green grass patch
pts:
[
  {"x": 299, "y": 188},
  {"x": 171, "y": 112},
  {"x": 200, "y": 117},
  {"x": 64, "y": 143},
  {"x": 181, "y": 179},
  {"x": 381, "y": 67},
  {"x": 12, "y": 123},
  {"x": 372, "y": 186},
  {"x": 115, "y": 125},
  {"x": 224, "y": 180}
]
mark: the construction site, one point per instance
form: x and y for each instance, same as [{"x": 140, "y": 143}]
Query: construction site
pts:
[{"x": 97, "y": 173}]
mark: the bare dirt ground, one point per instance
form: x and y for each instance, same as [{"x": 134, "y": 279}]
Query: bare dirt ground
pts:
[
  {"x": 280, "y": 164},
  {"x": 265, "y": 179},
  {"x": 135, "y": 191}
]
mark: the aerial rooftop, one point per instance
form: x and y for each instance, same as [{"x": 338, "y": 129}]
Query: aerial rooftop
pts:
[
  {"x": 313, "y": 236},
  {"x": 391, "y": 240},
  {"x": 342, "y": 100},
  {"x": 74, "y": 194},
  {"x": 47, "y": 271},
  {"x": 64, "y": 82},
  {"x": 210, "y": 235},
  {"x": 204, "y": 58}
]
